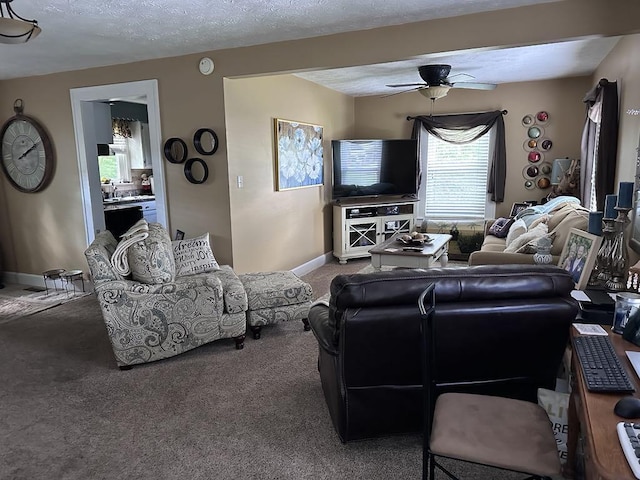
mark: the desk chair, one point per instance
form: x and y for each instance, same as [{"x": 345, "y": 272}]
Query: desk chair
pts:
[{"x": 498, "y": 432}]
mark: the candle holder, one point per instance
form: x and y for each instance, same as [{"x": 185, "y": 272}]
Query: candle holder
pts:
[
  {"x": 603, "y": 259},
  {"x": 619, "y": 256}
]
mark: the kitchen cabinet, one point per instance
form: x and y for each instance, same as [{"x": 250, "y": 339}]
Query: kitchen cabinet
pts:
[
  {"x": 140, "y": 145},
  {"x": 148, "y": 211},
  {"x": 102, "y": 120}
]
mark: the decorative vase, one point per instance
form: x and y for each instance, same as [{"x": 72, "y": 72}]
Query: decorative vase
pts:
[{"x": 543, "y": 255}]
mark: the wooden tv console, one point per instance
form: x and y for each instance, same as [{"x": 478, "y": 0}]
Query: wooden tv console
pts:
[{"x": 360, "y": 226}]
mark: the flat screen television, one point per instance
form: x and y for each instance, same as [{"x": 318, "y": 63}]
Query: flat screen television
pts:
[{"x": 372, "y": 168}]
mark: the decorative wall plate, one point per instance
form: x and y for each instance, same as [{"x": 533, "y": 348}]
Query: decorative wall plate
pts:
[
  {"x": 535, "y": 132},
  {"x": 546, "y": 168},
  {"x": 527, "y": 120},
  {"x": 529, "y": 185},
  {"x": 545, "y": 144},
  {"x": 542, "y": 118},
  {"x": 535, "y": 156},
  {"x": 543, "y": 182},
  {"x": 530, "y": 144},
  {"x": 530, "y": 172}
]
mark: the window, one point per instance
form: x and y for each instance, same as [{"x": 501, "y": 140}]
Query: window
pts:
[
  {"x": 454, "y": 179},
  {"x": 116, "y": 167},
  {"x": 108, "y": 167}
]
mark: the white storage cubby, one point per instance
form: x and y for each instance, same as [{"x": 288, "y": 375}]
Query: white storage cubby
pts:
[{"x": 358, "y": 227}]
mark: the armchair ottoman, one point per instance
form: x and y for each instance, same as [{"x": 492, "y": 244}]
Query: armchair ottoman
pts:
[{"x": 274, "y": 297}]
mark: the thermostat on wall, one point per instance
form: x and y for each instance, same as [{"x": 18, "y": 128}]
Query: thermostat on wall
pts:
[{"x": 206, "y": 66}]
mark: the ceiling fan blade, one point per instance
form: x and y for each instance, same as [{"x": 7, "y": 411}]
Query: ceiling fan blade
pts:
[
  {"x": 394, "y": 85},
  {"x": 457, "y": 75},
  {"x": 404, "y": 91},
  {"x": 474, "y": 86}
]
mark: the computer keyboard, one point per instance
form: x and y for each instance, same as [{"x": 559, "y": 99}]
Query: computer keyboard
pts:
[
  {"x": 628, "y": 436},
  {"x": 601, "y": 369}
]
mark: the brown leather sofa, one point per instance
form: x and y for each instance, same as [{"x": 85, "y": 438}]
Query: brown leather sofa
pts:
[{"x": 502, "y": 330}]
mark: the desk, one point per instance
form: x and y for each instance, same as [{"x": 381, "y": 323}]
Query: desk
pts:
[{"x": 592, "y": 414}]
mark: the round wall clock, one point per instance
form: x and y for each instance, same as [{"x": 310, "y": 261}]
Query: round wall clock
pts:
[{"x": 26, "y": 150}]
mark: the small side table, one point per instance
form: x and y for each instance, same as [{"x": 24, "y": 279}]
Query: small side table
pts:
[
  {"x": 52, "y": 275},
  {"x": 69, "y": 276}
]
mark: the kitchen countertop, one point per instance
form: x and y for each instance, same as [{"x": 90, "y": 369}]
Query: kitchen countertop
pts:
[{"x": 124, "y": 202}]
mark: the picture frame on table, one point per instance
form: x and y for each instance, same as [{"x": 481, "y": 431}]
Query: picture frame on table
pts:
[
  {"x": 517, "y": 207},
  {"x": 179, "y": 235},
  {"x": 579, "y": 256}
]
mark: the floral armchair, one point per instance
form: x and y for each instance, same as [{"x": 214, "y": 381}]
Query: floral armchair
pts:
[{"x": 147, "y": 322}]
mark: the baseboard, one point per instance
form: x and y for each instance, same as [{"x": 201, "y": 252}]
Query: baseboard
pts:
[
  {"x": 23, "y": 279},
  {"x": 38, "y": 280},
  {"x": 311, "y": 265}
]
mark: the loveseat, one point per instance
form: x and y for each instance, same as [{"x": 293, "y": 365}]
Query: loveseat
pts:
[
  {"x": 553, "y": 220},
  {"x": 151, "y": 321},
  {"x": 502, "y": 330}
]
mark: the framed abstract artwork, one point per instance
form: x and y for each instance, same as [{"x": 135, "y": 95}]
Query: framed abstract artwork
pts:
[{"x": 299, "y": 155}]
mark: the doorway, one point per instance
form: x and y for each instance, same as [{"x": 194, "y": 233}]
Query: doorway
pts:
[{"x": 84, "y": 124}]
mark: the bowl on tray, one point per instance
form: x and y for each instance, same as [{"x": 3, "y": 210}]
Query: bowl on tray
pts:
[{"x": 415, "y": 239}]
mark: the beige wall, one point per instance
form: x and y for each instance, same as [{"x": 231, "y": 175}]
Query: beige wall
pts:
[
  {"x": 378, "y": 117},
  {"x": 45, "y": 230},
  {"x": 278, "y": 230}
]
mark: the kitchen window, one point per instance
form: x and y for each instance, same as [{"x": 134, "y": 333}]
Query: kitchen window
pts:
[{"x": 116, "y": 167}]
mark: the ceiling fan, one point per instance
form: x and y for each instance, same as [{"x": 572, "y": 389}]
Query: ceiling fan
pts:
[{"x": 437, "y": 82}]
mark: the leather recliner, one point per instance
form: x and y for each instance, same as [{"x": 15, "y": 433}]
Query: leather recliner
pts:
[{"x": 501, "y": 330}]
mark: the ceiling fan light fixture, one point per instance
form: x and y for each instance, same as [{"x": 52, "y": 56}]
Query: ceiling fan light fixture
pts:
[
  {"x": 435, "y": 92},
  {"x": 15, "y": 29}
]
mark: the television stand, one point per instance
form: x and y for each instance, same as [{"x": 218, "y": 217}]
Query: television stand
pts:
[{"x": 360, "y": 226}]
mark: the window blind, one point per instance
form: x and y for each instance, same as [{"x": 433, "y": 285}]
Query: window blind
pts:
[{"x": 456, "y": 179}]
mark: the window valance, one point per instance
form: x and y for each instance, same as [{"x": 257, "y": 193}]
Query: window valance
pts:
[{"x": 465, "y": 128}]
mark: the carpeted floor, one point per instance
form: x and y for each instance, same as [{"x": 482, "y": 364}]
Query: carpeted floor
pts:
[
  {"x": 18, "y": 301},
  {"x": 212, "y": 413}
]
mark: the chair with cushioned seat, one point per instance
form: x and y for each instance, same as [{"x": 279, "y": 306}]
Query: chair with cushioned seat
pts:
[
  {"x": 504, "y": 433},
  {"x": 151, "y": 321}
]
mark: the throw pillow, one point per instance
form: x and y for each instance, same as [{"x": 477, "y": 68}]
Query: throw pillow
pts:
[
  {"x": 518, "y": 227},
  {"x": 543, "y": 219},
  {"x": 500, "y": 228},
  {"x": 531, "y": 246},
  {"x": 532, "y": 235},
  {"x": 151, "y": 259},
  {"x": 194, "y": 255}
]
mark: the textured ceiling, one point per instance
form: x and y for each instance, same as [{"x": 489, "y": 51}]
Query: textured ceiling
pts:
[
  {"x": 78, "y": 34},
  {"x": 537, "y": 62}
]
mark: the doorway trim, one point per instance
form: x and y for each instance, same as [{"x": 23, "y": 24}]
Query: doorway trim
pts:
[{"x": 86, "y": 146}]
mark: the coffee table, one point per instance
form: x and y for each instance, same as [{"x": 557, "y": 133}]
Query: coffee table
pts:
[{"x": 390, "y": 253}]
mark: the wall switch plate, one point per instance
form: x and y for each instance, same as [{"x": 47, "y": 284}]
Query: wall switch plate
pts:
[{"x": 240, "y": 181}]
